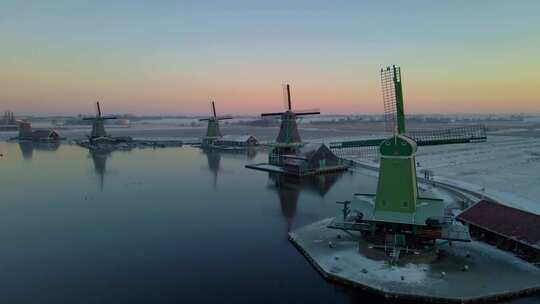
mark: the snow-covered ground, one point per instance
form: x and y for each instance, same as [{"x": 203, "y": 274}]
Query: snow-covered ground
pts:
[
  {"x": 349, "y": 260},
  {"x": 505, "y": 168}
]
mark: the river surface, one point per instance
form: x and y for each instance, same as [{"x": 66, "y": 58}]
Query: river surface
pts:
[{"x": 174, "y": 225}]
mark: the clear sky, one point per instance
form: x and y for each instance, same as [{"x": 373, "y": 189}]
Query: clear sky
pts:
[{"x": 172, "y": 57}]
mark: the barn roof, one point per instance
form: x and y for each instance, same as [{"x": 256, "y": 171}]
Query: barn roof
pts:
[
  {"x": 310, "y": 148},
  {"x": 306, "y": 151},
  {"x": 515, "y": 224}
]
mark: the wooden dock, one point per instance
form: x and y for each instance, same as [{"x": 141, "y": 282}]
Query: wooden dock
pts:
[
  {"x": 346, "y": 260},
  {"x": 299, "y": 173}
]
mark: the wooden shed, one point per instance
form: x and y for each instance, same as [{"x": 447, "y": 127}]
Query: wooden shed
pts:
[
  {"x": 506, "y": 227},
  {"x": 312, "y": 159}
]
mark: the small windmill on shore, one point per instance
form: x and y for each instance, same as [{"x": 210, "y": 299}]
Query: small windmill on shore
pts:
[
  {"x": 98, "y": 123},
  {"x": 212, "y": 131}
]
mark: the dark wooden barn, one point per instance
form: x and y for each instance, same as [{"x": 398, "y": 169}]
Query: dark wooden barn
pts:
[
  {"x": 507, "y": 228},
  {"x": 45, "y": 135}
]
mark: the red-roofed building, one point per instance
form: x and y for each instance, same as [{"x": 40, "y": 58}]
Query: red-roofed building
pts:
[
  {"x": 42, "y": 135},
  {"x": 505, "y": 227}
]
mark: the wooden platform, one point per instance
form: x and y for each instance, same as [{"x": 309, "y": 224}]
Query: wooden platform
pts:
[
  {"x": 491, "y": 274},
  {"x": 277, "y": 169}
]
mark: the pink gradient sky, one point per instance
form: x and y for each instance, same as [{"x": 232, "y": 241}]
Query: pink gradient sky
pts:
[{"x": 59, "y": 57}]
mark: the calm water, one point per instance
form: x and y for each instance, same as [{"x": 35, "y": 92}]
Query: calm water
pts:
[{"x": 160, "y": 226}]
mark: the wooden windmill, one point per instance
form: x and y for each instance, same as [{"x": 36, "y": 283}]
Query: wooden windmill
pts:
[
  {"x": 98, "y": 123},
  {"x": 288, "y": 131},
  {"x": 288, "y": 138},
  {"x": 212, "y": 131}
]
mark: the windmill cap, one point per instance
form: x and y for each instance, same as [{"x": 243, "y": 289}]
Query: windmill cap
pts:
[{"x": 399, "y": 145}]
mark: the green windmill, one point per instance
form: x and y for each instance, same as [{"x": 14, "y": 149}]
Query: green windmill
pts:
[
  {"x": 212, "y": 130},
  {"x": 396, "y": 216},
  {"x": 288, "y": 137},
  {"x": 397, "y": 159}
]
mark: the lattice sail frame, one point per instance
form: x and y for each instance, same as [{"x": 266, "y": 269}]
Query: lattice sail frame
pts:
[
  {"x": 392, "y": 94},
  {"x": 456, "y": 135}
]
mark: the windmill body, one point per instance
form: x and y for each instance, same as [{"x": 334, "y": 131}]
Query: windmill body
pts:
[
  {"x": 98, "y": 128},
  {"x": 213, "y": 130},
  {"x": 288, "y": 130},
  {"x": 397, "y": 200}
]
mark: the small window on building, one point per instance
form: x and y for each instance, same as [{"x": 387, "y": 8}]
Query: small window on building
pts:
[
  {"x": 384, "y": 202},
  {"x": 405, "y": 204}
]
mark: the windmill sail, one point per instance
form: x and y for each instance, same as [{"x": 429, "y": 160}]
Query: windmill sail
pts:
[
  {"x": 393, "y": 99},
  {"x": 307, "y": 112},
  {"x": 394, "y": 115},
  {"x": 213, "y": 109},
  {"x": 287, "y": 97},
  {"x": 98, "y": 110},
  {"x": 457, "y": 135}
]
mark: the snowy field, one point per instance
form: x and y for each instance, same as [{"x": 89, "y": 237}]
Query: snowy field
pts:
[{"x": 506, "y": 168}]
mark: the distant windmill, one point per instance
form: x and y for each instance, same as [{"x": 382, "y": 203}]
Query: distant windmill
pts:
[
  {"x": 212, "y": 131},
  {"x": 288, "y": 131},
  {"x": 98, "y": 127}
]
